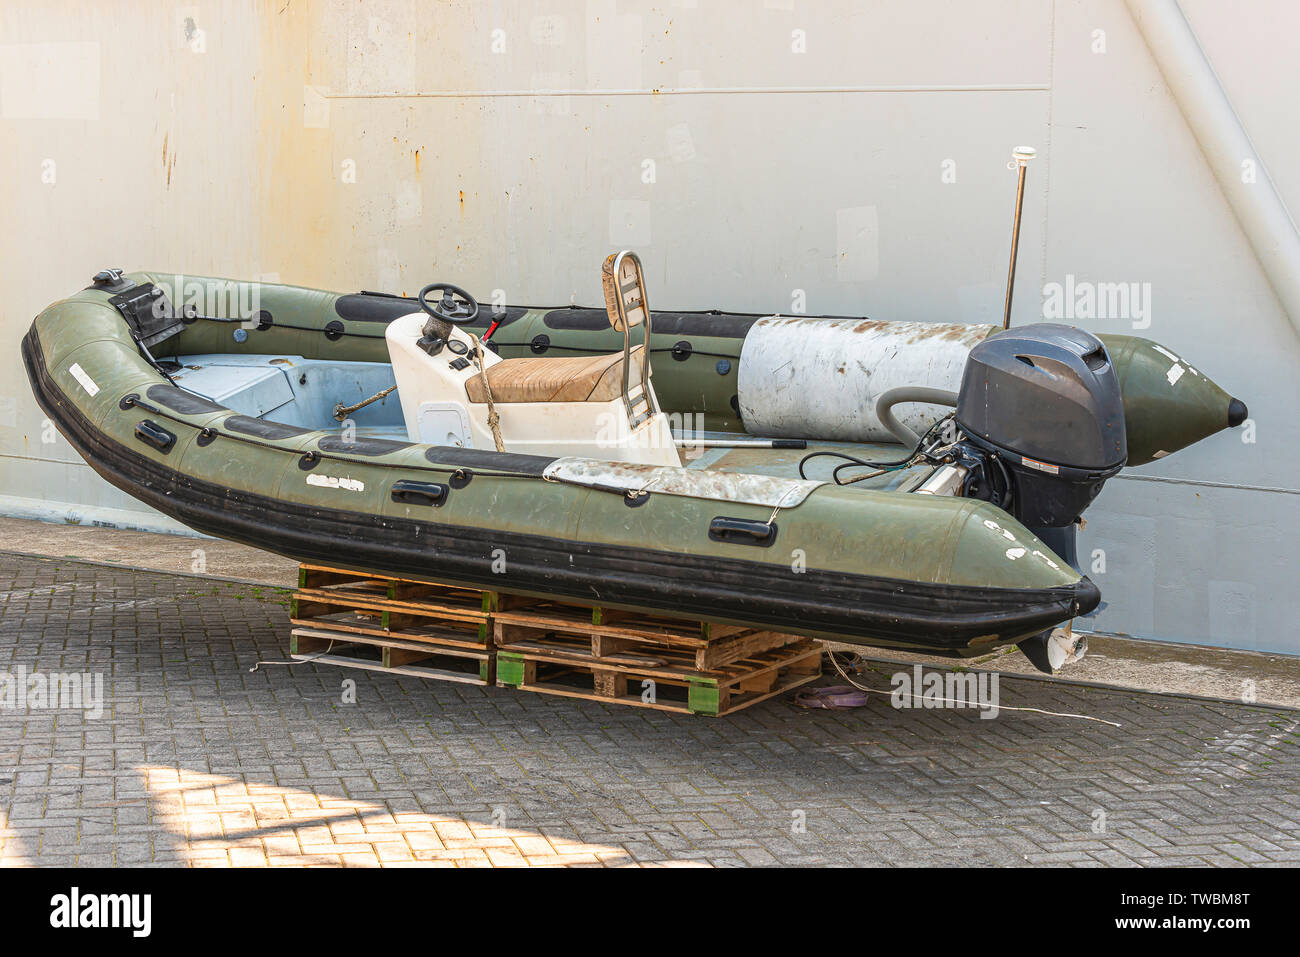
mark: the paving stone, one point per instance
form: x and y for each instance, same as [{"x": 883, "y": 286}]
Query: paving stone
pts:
[{"x": 196, "y": 761}]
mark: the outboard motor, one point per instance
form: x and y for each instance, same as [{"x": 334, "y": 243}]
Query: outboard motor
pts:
[
  {"x": 1043, "y": 423},
  {"x": 1043, "y": 420}
]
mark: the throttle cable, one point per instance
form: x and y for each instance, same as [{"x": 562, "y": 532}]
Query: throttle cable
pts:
[{"x": 920, "y": 451}]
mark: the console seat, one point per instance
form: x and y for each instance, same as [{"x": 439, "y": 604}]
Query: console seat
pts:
[{"x": 556, "y": 379}]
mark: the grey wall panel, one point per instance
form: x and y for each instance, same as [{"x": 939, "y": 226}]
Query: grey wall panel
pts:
[{"x": 383, "y": 145}]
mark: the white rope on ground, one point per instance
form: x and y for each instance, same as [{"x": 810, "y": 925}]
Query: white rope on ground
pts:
[
  {"x": 296, "y": 661},
  {"x": 1001, "y": 707}
]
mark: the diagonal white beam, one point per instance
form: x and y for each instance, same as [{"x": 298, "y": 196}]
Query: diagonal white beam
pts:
[{"x": 1200, "y": 96}]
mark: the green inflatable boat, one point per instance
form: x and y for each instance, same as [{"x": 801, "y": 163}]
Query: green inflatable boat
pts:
[{"x": 891, "y": 484}]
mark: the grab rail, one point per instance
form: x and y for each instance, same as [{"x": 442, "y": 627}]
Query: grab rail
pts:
[{"x": 625, "y": 296}]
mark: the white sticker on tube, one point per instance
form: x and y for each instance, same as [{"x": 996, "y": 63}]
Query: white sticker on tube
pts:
[{"x": 86, "y": 381}]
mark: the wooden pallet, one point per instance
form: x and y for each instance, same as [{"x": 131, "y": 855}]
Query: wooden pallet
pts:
[
  {"x": 666, "y": 680},
  {"x": 418, "y": 659},
  {"x": 406, "y": 626},
  {"x": 379, "y": 607},
  {"x": 606, "y": 634},
  {"x": 395, "y": 625}
]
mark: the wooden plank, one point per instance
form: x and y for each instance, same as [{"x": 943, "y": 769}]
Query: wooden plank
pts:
[
  {"x": 348, "y": 573},
  {"x": 429, "y": 633},
  {"x": 723, "y": 651},
  {"x": 785, "y": 684},
  {"x": 763, "y": 681},
  {"x": 402, "y": 622},
  {"x": 324, "y": 634},
  {"x": 447, "y": 607},
  {"x": 561, "y": 656},
  {"x": 396, "y": 657},
  {"x": 318, "y": 645},
  {"x": 413, "y": 671},
  {"x": 606, "y": 646},
  {"x": 712, "y": 630},
  {"x": 605, "y": 640},
  {"x": 645, "y": 629},
  {"x": 300, "y": 644},
  {"x": 805, "y": 655},
  {"x": 810, "y": 663},
  {"x": 668, "y": 625},
  {"x": 579, "y": 654},
  {"x": 564, "y": 691},
  {"x": 403, "y": 589}
]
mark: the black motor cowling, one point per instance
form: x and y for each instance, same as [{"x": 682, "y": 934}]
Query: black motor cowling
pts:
[{"x": 1041, "y": 410}]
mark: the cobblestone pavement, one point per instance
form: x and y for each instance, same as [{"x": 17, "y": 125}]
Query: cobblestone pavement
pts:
[{"x": 198, "y": 761}]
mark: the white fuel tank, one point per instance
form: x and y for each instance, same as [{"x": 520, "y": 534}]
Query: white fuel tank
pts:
[{"x": 819, "y": 378}]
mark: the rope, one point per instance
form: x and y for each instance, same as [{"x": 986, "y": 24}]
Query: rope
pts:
[
  {"x": 781, "y": 501},
  {"x": 1001, "y": 707},
  {"x": 494, "y": 420},
  {"x": 342, "y": 411},
  {"x": 296, "y": 661}
]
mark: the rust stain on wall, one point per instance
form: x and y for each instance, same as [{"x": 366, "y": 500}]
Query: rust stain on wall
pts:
[
  {"x": 168, "y": 160},
  {"x": 382, "y": 228},
  {"x": 299, "y": 185}
]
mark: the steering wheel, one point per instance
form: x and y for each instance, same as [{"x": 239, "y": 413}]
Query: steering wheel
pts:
[{"x": 456, "y": 305}]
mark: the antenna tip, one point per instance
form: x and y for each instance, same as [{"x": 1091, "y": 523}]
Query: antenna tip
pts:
[{"x": 1023, "y": 154}]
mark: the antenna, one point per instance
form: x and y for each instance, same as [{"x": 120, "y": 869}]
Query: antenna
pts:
[{"x": 1020, "y": 157}]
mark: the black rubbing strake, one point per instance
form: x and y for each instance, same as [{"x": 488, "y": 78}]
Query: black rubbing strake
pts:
[
  {"x": 178, "y": 400},
  {"x": 262, "y": 428},
  {"x": 361, "y": 445}
]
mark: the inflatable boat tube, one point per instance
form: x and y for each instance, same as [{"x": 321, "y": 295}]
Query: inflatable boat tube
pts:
[{"x": 877, "y": 568}]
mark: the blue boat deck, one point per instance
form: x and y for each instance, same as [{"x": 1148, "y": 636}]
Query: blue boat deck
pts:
[{"x": 304, "y": 392}]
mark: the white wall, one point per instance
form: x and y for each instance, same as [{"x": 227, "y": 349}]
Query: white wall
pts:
[{"x": 774, "y": 171}]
